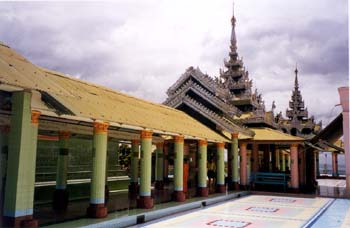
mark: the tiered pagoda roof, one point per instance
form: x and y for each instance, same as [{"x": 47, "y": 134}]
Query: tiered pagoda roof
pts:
[
  {"x": 225, "y": 103},
  {"x": 298, "y": 121}
]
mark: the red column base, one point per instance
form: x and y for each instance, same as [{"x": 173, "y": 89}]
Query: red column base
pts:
[
  {"x": 145, "y": 202},
  {"x": 159, "y": 185},
  {"x": 97, "y": 211},
  {"x": 179, "y": 196},
  {"x": 20, "y": 222},
  {"x": 220, "y": 188},
  {"x": 133, "y": 187},
  {"x": 203, "y": 191},
  {"x": 60, "y": 199},
  {"x": 243, "y": 187},
  {"x": 294, "y": 190},
  {"x": 106, "y": 194},
  {"x": 233, "y": 186}
]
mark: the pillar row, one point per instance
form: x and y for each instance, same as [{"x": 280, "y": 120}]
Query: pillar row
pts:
[
  {"x": 4, "y": 133},
  {"x": 202, "y": 168},
  {"x": 60, "y": 197},
  {"x": 159, "y": 166},
  {"x": 134, "y": 178},
  {"x": 335, "y": 164},
  {"x": 234, "y": 150},
  {"x": 294, "y": 166},
  {"x": 145, "y": 199},
  {"x": 243, "y": 165},
  {"x": 344, "y": 101},
  {"x": 178, "y": 194},
  {"x": 255, "y": 158},
  {"x": 20, "y": 179},
  {"x": 97, "y": 208},
  {"x": 220, "y": 168},
  {"x": 283, "y": 160}
]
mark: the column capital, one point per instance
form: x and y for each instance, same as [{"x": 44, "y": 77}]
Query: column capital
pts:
[
  {"x": 159, "y": 144},
  {"x": 35, "y": 116},
  {"x": 243, "y": 144},
  {"x": 179, "y": 139},
  {"x": 63, "y": 134},
  {"x": 135, "y": 141},
  {"x": 220, "y": 145},
  {"x": 294, "y": 145},
  {"x": 234, "y": 135},
  {"x": 100, "y": 127},
  {"x": 146, "y": 134},
  {"x": 203, "y": 142}
]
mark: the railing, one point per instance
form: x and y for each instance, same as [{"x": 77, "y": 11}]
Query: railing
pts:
[{"x": 271, "y": 179}]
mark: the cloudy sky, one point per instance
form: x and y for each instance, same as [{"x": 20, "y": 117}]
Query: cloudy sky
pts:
[{"x": 141, "y": 47}]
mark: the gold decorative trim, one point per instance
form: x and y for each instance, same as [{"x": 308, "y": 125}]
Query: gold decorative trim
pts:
[
  {"x": 160, "y": 145},
  {"x": 101, "y": 127},
  {"x": 294, "y": 145},
  {"x": 220, "y": 145},
  {"x": 135, "y": 141},
  {"x": 179, "y": 139},
  {"x": 243, "y": 144},
  {"x": 203, "y": 143},
  {"x": 146, "y": 134},
  {"x": 35, "y": 117},
  {"x": 235, "y": 135}
]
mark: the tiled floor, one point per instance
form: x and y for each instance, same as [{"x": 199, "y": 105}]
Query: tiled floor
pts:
[
  {"x": 252, "y": 211},
  {"x": 337, "y": 215}
]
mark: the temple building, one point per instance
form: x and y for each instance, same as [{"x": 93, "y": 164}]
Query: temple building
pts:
[
  {"x": 65, "y": 142},
  {"x": 227, "y": 104},
  {"x": 298, "y": 122}
]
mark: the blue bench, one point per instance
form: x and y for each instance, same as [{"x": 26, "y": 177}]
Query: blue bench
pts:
[{"x": 270, "y": 178}]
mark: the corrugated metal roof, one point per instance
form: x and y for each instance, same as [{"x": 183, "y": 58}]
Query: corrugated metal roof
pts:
[{"x": 96, "y": 102}]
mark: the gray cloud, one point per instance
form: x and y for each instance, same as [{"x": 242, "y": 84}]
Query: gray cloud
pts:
[{"x": 142, "y": 47}]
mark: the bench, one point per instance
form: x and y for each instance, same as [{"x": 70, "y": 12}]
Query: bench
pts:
[{"x": 270, "y": 178}]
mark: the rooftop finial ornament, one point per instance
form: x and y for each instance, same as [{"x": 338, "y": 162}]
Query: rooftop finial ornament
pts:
[{"x": 296, "y": 84}]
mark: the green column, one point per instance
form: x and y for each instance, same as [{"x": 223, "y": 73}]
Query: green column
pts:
[
  {"x": 145, "y": 200},
  {"x": 159, "y": 166},
  {"x": 202, "y": 164},
  {"x": 4, "y": 131},
  {"x": 60, "y": 197},
  {"x": 135, "y": 152},
  {"x": 97, "y": 207},
  {"x": 62, "y": 161},
  {"x": 146, "y": 163},
  {"x": 283, "y": 162},
  {"x": 220, "y": 168},
  {"x": 235, "y": 165},
  {"x": 19, "y": 192},
  {"x": 277, "y": 154},
  {"x": 178, "y": 163}
]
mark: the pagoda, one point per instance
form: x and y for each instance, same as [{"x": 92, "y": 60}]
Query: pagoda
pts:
[
  {"x": 298, "y": 122},
  {"x": 225, "y": 103},
  {"x": 235, "y": 79}
]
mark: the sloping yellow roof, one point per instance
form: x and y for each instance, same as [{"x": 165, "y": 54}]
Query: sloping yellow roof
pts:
[
  {"x": 96, "y": 102},
  {"x": 268, "y": 134},
  {"x": 240, "y": 135},
  {"x": 338, "y": 143}
]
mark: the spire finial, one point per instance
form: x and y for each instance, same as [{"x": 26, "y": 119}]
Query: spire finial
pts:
[
  {"x": 296, "y": 83},
  {"x": 233, "y": 32}
]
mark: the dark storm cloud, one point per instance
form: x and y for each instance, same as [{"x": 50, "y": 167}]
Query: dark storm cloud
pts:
[{"x": 142, "y": 47}]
